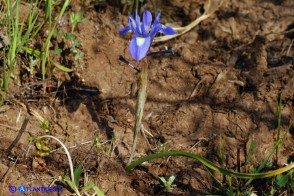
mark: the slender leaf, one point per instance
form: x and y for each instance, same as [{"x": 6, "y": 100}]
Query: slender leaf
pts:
[
  {"x": 210, "y": 165},
  {"x": 67, "y": 180},
  {"x": 62, "y": 68},
  {"x": 77, "y": 174},
  {"x": 249, "y": 155},
  {"x": 91, "y": 185}
]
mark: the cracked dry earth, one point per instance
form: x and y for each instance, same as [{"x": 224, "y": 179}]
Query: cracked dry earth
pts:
[{"x": 224, "y": 80}]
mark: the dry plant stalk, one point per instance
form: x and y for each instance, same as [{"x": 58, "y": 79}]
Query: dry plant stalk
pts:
[
  {"x": 210, "y": 7},
  {"x": 142, "y": 94}
]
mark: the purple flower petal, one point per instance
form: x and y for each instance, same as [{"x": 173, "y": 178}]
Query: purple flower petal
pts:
[
  {"x": 144, "y": 31},
  {"x": 155, "y": 29},
  {"x": 138, "y": 26},
  {"x": 147, "y": 19},
  {"x": 167, "y": 30},
  {"x": 132, "y": 24},
  {"x": 139, "y": 47},
  {"x": 124, "y": 30},
  {"x": 156, "y": 21}
]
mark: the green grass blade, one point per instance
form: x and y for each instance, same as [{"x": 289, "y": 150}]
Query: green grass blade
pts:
[
  {"x": 45, "y": 53},
  {"x": 65, "y": 5},
  {"x": 48, "y": 11},
  {"x": 222, "y": 151},
  {"x": 5, "y": 82},
  {"x": 32, "y": 19},
  {"x": 279, "y": 111},
  {"x": 38, "y": 54},
  {"x": 62, "y": 68},
  {"x": 213, "y": 176},
  {"x": 210, "y": 165},
  {"x": 13, "y": 22},
  {"x": 33, "y": 52},
  {"x": 163, "y": 180},
  {"x": 250, "y": 153},
  {"x": 266, "y": 159},
  {"x": 68, "y": 181},
  {"x": 77, "y": 174},
  {"x": 91, "y": 185}
]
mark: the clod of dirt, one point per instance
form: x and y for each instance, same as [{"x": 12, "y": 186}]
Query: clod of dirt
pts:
[
  {"x": 257, "y": 57},
  {"x": 226, "y": 86},
  {"x": 219, "y": 83}
]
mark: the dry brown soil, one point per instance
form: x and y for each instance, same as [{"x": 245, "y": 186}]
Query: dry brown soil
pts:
[{"x": 224, "y": 80}]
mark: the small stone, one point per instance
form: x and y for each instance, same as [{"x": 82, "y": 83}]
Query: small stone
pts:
[{"x": 191, "y": 38}]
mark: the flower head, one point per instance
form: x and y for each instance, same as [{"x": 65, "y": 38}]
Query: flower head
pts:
[{"x": 144, "y": 33}]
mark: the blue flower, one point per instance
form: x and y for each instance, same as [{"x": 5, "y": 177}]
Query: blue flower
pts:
[{"x": 144, "y": 32}]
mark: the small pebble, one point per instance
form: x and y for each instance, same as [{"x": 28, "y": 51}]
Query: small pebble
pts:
[{"x": 191, "y": 38}]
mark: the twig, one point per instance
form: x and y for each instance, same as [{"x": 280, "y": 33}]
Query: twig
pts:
[
  {"x": 197, "y": 87},
  {"x": 74, "y": 146},
  {"x": 143, "y": 132},
  {"x": 22, "y": 129},
  {"x": 182, "y": 30},
  {"x": 30, "y": 110},
  {"x": 9, "y": 127},
  {"x": 290, "y": 46}
]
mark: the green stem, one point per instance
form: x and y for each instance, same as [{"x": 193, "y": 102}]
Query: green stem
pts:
[
  {"x": 279, "y": 110},
  {"x": 140, "y": 106}
]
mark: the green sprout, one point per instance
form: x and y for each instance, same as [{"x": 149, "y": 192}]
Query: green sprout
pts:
[
  {"x": 168, "y": 185},
  {"x": 77, "y": 177},
  {"x": 42, "y": 148},
  {"x": 74, "y": 44},
  {"x": 73, "y": 181},
  {"x": 75, "y": 18},
  {"x": 161, "y": 147},
  {"x": 286, "y": 180}
]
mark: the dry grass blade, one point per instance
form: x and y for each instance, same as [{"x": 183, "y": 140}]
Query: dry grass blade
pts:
[
  {"x": 30, "y": 110},
  {"x": 210, "y": 8},
  {"x": 2, "y": 9}
]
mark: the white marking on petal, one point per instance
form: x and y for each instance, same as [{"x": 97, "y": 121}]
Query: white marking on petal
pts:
[{"x": 140, "y": 41}]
